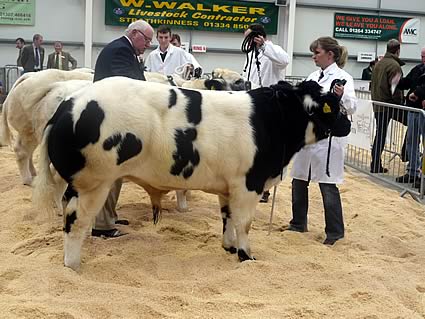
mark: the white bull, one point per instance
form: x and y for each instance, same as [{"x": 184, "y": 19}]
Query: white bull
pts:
[
  {"x": 234, "y": 144},
  {"x": 27, "y": 110}
]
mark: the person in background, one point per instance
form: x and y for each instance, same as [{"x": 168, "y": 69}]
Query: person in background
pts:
[
  {"x": 367, "y": 72},
  {"x": 166, "y": 58},
  {"x": 309, "y": 164},
  {"x": 385, "y": 77},
  {"x": 60, "y": 59},
  {"x": 32, "y": 57},
  {"x": 176, "y": 41},
  {"x": 20, "y": 43},
  {"x": 415, "y": 122},
  {"x": 120, "y": 58},
  {"x": 273, "y": 61}
]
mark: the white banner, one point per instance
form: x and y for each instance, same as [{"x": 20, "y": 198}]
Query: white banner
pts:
[{"x": 362, "y": 125}]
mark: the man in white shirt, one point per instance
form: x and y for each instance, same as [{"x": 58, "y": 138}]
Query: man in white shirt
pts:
[
  {"x": 273, "y": 59},
  {"x": 166, "y": 57}
]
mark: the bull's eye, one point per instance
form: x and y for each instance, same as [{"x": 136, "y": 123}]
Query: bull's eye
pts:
[{"x": 240, "y": 81}]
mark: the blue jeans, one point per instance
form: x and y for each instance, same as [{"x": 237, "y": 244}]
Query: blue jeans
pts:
[{"x": 415, "y": 129}]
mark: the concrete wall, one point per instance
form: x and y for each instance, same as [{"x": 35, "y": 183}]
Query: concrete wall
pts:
[{"x": 64, "y": 20}]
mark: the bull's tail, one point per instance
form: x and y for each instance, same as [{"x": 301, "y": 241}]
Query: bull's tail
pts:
[
  {"x": 44, "y": 185},
  {"x": 5, "y": 134}
]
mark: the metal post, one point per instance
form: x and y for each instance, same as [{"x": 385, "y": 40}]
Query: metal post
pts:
[{"x": 88, "y": 34}]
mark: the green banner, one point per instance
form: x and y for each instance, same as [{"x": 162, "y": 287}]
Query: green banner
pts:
[
  {"x": 374, "y": 27},
  {"x": 17, "y": 12},
  {"x": 218, "y": 15}
]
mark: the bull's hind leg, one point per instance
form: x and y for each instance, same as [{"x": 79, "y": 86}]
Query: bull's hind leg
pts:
[
  {"x": 229, "y": 235},
  {"x": 78, "y": 219},
  {"x": 24, "y": 149},
  {"x": 242, "y": 205}
]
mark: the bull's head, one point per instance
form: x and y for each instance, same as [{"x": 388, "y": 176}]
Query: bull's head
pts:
[
  {"x": 231, "y": 80},
  {"x": 319, "y": 109},
  {"x": 323, "y": 109}
]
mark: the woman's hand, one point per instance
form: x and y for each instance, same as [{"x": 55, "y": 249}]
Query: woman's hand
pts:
[{"x": 339, "y": 90}]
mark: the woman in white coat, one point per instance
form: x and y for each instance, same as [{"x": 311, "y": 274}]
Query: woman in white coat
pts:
[{"x": 310, "y": 162}]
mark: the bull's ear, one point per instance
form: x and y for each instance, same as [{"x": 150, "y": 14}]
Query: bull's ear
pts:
[{"x": 214, "y": 84}]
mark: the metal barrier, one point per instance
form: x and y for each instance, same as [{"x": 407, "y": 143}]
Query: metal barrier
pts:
[
  {"x": 11, "y": 74},
  {"x": 391, "y": 159},
  {"x": 396, "y": 159}
]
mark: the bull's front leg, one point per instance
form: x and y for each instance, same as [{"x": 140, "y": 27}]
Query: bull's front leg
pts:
[
  {"x": 181, "y": 201},
  {"x": 242, "y": 205},
  {"x": 229, "y": 235},
  {"x": 78, "y": 218}
]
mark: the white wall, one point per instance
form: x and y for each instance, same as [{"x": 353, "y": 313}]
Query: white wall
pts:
[{"x": 64, "y": 20}]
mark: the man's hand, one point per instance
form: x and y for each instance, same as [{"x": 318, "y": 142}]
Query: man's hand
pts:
[
  {"x": 413, "y": 97},
  {"x": 259, "y": 41}
]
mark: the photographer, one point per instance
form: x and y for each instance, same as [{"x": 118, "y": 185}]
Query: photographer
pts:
[{"x": 272, "y": 61}]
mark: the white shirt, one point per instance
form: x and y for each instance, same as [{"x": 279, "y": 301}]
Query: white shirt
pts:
[
  {"x": 315, "y": 155},
  {"x": 273, "y": 61},
  {"x": 175, "y": 57}
]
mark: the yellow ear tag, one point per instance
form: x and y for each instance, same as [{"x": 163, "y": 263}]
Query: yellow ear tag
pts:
[
  {"x": 213, "y": 88},
  {"x": 327, "y": 108}
]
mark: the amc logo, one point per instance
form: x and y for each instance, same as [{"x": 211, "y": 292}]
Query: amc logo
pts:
[{"x": 410, "y": 31}]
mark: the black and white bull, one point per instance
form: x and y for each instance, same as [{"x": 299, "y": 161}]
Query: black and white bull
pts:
[{"x": 233, "y": 144}]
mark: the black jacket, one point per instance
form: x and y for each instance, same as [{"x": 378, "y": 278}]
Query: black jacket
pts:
[
  {"x": 118, "y": 58},
  {"x": 411, "y": 82}
]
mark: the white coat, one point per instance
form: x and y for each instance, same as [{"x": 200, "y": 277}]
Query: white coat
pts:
[
  {"x": 315, "y": 155},
  {"x": 175, "y": 58},
  {"x": 273, "y": 61}
]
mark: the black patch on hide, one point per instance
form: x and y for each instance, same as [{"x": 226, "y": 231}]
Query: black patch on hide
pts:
[
  {"x": 69, "y": 220},
  {"x": 186, "y": 157},
  {"x": 64, "y": 145},
  {"x": 278, "y": 131},
  {"x": 111, "y": 141},
  {"x": 193, "y": 106},
  {"x": 225, "y": 213},
  {"x": 173, "y": 99},
  {"x": 130, "y": 147}
]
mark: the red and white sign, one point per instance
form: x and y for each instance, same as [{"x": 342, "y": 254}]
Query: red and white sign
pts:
[{"x": 199, "y": 48}]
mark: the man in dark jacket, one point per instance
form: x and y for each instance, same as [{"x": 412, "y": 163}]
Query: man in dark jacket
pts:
[
  {"x": 367, "y": 72},
  {"x": 385, "y": 78},
  {"x": 120, "y": 58},
  {"x": 32, "y": 56},
  {"x": 414, "y": 82}
]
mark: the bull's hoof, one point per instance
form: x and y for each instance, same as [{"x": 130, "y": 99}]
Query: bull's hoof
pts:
[
  {"x": 243, "y": 256},
  {"x": 231, "y": 250}
]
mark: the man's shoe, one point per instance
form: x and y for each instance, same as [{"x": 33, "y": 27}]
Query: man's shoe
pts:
[
  {"x": 122, "y": 222},
  {"x": 379, "y": 170},
  {"x": 108, "y": 233},
  {"x": 265, "y": 197},
  {"x": 407, "y": 178}
]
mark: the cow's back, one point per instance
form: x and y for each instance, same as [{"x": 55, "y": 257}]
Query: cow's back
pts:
[{"x": 173, "y": 135}]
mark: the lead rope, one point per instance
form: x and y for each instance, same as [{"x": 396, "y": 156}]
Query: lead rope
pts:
[{"x": 249, "y": 46}]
